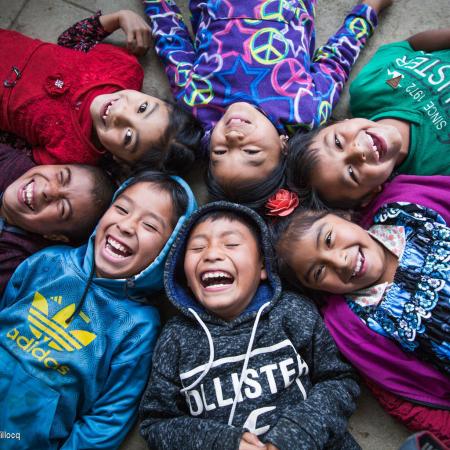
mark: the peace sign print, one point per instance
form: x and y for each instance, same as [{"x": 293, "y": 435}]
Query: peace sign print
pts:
[
  {"x": 324, "y": 111},
  {"x": 288, "y": 76},
  {"x": 268, "y": 46},
  {"x": 359, "y": 27},
  {"x": 199, "y": 91},
  {"x": 272, "y": 10}
]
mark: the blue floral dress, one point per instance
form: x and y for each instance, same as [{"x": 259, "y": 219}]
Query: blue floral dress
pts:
[{"x": 414, "y": 309}]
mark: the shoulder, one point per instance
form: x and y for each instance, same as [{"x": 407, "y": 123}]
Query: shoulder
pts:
[
  {"x": 393, "y": 50},
  {"x": 50, "y": 260},
  {"x": 297, "y": 309},
  {"x": 406, "y": 213}
]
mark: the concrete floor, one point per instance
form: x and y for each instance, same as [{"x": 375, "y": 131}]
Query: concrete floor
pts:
[{"x": 46, "y": 19}]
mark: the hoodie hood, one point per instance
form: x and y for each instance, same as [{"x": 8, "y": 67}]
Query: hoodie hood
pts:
[
  {"x": 151, "y": 278},
  {"x": 175, "y": 283}
]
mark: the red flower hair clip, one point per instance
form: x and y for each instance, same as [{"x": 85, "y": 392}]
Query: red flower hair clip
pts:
[{"x": 282, "y": 203}]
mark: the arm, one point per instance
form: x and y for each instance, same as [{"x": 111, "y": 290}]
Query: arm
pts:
[
  {"x": 84, "y": 34},
  {"x": 333, "y": 62},
  {"x": 172, "y": 42},
  {"x": 431, "y": 40},
  {"x": 322, "y": 417},
  {"x": 89, "y": 32},
  {"x": 105, "y": 425},
  {"x": 165, "y": 419}
]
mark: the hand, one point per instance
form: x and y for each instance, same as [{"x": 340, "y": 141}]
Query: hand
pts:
[
  {"x": 378, "y": 5},
  {"x": 134, "y": 26},
  {"x": 250, "y": 441},
  {"x": 270, "y": 446}
]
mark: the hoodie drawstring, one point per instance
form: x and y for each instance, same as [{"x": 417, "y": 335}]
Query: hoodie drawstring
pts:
[
  {"x": 83, "y": 297},
  {"x": 211, "y": 353},
  {"x": 247, "y": 358},
  {"x": 211, "y": 358}
]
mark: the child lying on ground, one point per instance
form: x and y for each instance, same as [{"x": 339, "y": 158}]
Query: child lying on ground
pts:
[
  {"x": 77, "y": 334},
  {"x": 413, "y": 310},
  {"x": 75, "y": 101},
  {"x": 252, "y": 78},
  {"x": 245, "y": 365},
  {"x": 400, "y": 101},
  {"x": 43, "y": 204}
]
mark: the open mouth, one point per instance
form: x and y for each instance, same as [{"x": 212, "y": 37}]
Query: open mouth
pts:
[
  {"x": 117, "y": 249},
  {"x": 28, "y": 195},
  {"x": 217, "y": 278},
  {"x": 104, "y": 112},
  {"x": 235, "y": 120},
  {"x": 357, "y": 270},
  {"x": 378, "y": 145}
]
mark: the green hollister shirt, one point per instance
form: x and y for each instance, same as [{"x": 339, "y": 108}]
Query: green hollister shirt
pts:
[{"x": 414, "y": 86}]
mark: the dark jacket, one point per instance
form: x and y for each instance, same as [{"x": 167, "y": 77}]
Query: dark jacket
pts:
[{"x": 297, "y": 393}]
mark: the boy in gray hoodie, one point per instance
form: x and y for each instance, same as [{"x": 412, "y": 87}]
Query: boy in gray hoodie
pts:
[{"x": 245, "y": 366}]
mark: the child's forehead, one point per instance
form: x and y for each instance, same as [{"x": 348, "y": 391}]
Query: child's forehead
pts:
[{"x": 221, "y": 225}]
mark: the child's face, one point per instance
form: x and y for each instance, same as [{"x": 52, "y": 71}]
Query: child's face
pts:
[
  {"x": 337, "y": 256},
  {"x": 50, "y": 200},
  {"x": 133, "y": 231},
  {"x": 356, "y": 157},
  {"x": 127, "y": 122},
  {"x": 245, "y": 145},
  {"x": 223, "y": 266}
]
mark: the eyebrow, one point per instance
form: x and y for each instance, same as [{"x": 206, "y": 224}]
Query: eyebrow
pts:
[
  {"x": 69, "y": 175},
  {"x": 224, "y": 234}
]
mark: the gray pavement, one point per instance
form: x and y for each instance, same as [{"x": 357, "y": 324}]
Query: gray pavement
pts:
[{"x": 46, "y": 19}]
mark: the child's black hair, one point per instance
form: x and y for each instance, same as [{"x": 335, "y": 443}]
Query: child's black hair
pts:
[
  {"x": 102, "y": 192},
  {"x": 176, "y": 150},
  {"x": 252, "y": 194},
  {"x": 233, "y": 216},
  {"x": 167, "y": 184},
  {"x": 301, "y": 163}
]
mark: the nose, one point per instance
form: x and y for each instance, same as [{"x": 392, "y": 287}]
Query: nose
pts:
[
  {"x": 120, "y": 113},
  {"x": 212, "y": 254},
  {"x": 356, "y": 153},
  {"x": 51, "y": 192},
  {"x": 127, "y": 225},
  {"x": 340, "y": 261},
  {"x": 234, "y": 136}
]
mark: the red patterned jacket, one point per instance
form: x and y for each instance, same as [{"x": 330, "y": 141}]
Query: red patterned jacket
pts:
[{"x": 46, "y": 91}]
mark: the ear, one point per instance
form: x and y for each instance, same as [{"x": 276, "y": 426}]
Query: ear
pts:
[
  {"x": 284, "y": 140},
  {"x": 56, "y": 237},
  {"x": 370, "y": 196},
  {"x": 263, "y": 272}
]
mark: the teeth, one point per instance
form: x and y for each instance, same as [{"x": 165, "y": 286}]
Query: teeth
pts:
[
  {"x": 117, "y": 248},
  {"x": 358, "y": 265},
  {"x": 117, "y": 245},
  {"x": 208, "y": 275},
  {"x": 27, "y": 195}
]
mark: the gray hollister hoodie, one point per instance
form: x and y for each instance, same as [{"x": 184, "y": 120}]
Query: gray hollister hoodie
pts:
[{"x": 274, "y": 370}]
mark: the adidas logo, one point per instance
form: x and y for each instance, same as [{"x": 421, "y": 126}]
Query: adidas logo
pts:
[
  {"x": 52, "y": 332},
  {"x": 54, "y": 329}
]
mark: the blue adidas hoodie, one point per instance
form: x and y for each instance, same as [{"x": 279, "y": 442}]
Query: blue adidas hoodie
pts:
[{"x": 76, "y": 384}]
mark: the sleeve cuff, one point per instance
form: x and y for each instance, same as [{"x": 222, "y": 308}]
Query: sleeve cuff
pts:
[{"x": 367, "y": 13}]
